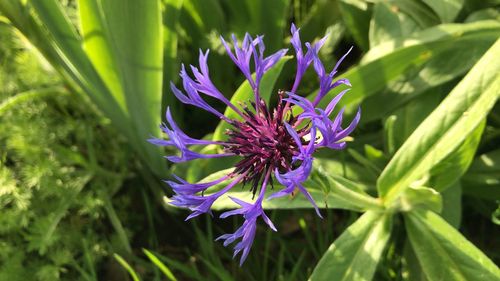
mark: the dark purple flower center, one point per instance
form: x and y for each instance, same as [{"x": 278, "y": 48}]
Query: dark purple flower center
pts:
[{"x": 263, "y": 141}]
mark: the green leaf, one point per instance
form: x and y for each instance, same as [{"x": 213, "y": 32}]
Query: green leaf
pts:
[
  {"x": 444, "y": 254},
  {"x": 65, "y": 41},
  {"x": 98, "y": 47},
  {"x": 413, "y": 268},
  {"x": 166, "y": 271},
  {"x": 398, "y": 56},
  {"x": 127, "y": 267},
  {"x": 388, "y": 23},
  {"x": 328, "y": 191},
  {"x": 356, "y": 253},
  {"x": 118, "y": 63},
  {"x": 419, "y": 197},
  {"x": 409, "y": 116},
  {"x": 356, "y": 15},
  {"x": 450, "y": 169},
  {"x": 452, "y": 204},
  {"x": 447, "y": 10},
  {"x": 244, "y": 93},
  {"x": 446, "y": 128},
  {"x": 337, "y": 165},
  {"x": 135, "y": 36},
  {"x": 418, "y": 11},
  {"x": 485, "y": 14},
  {"x": 436, "y": 74}
]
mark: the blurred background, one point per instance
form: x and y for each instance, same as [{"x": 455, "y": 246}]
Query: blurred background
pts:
[{"x": 83, "y": 84}]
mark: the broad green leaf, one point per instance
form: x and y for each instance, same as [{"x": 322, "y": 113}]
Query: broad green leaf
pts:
[
  {"x": 335, "y": 164},
  {"x": 324, "y": 200},
  {"x": 134, "y": 64},
  {"x": 419, "y": 197},
  {"x": 418, "y": 11},
  {"x": 434, "y": 76},
  {"x": 355, "y": 254},
  {"x": 409, "y": 116},
  {"x": 443, "y": 253},
  {"x": 430, "y": 77},
  {"x": 412, "y": 267},
  {"x": 54, "y": 36},
  {"x": 97, "y": 46},
  {"x": 341, "y": 192},
  {"x": 485, "y": 167},
  {"x": 66, "y": 43},
  {"x": 446, "y": 128},
  {"x": 244, "y": 94},
  {"x": 206, "y": 14},
  {"x": 452, "y": 204},
  {"x": 450, "y": 169},
  {"x": 446, "y": 9},
  {"x": 388, "y": 23},
  {"x": 136, "y": 39},
  {"x": 398, "y": 56},
  {"x": 328, "y": 191},
  {"x": 485, "y": 14},
  {"x": 440, "y": 33}
]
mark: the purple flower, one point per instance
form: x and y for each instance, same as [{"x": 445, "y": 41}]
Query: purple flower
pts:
[
  {"x": 326, "y": 83},
  {"x": 303, "y": 61},
  {"x": 270, "y": 142},
  {"x": 180, "y": 140},
  {"x": 251, "y": 212},
  {"x": 242, "y": 55}
]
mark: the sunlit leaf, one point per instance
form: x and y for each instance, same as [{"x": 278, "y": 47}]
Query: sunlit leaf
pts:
[
  {"x": 444, "y": 253},
  {"x": 398, "y": 56},
  {"x": 446, "y": 9},
  {"x": 356, "y": 253},
  {"x": 446, "y": 128}
]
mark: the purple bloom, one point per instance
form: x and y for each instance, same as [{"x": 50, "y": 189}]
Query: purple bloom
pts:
[
  {"x": 242, "y": 55},
  {"x": 271, "y": 142},
  {"x": 180, "y": 140},
  {"x": 200, "y": 204},
  {"x": 251, "y": 212},
  {"x": 326, "y": 83},
  {"x": 303, "y": 61}
]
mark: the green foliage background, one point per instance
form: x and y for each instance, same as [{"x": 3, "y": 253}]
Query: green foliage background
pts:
[{"x": 84, "y": 84}]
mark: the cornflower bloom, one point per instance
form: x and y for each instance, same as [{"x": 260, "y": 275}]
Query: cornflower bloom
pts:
[{"x": 272, "y": 142}]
